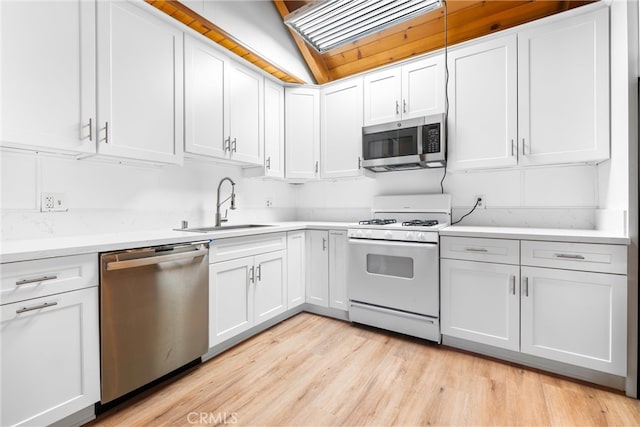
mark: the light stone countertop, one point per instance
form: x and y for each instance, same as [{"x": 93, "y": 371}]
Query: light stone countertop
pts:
[
  {"x": 548, "y": 234},
  {"x": 22, "y": 250}
]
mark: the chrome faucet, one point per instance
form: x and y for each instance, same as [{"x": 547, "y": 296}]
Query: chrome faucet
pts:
[{"x": 219, "y": 219}]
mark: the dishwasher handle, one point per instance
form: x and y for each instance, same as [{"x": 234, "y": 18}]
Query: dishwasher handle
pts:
[{"x": 140, "y": 262}]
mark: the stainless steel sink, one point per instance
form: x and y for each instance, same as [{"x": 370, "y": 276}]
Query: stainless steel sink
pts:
[{"x": 222, "y": 228}]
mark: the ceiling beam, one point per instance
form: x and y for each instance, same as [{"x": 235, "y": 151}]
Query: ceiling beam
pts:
[{"x": 314, "y": 60}]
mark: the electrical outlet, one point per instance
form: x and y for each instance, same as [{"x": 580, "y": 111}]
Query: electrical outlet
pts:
[
  {"x": 269, "y": 203},
  {"x": 482, "y": 201},
  {"x": 53, "y": 202}
]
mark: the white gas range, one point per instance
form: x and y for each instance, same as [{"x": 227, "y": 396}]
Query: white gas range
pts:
[{"x": 394, "y": 268}]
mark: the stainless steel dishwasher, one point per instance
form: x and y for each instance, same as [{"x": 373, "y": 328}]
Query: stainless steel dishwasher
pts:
[{"x": 154, "y": 317}]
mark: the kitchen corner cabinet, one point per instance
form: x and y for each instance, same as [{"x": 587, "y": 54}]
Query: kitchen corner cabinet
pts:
[
  {"x": 273, "y": 129},
  {"x": 49, "y": 345},
  {"x": 296, "y": 268},
  {"x": 341, "y": 129},
  {"x": 47, "y": 83},
  {"x": 538, "y": 97},
  {"x": 247, "y": 284},
  {"x": 412, "y": 90},
  {"x": 559, "y": 301},
  {"x": 140, "y": 84},
  {"x": 302, "y": 133},
  {"x": 326, "y": 268}
]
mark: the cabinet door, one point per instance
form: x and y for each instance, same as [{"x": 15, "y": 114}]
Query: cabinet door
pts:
[
  {"x": 230, "y": 302},
  {"x": 245, "y": 112},
  {"x": 423, "y": 87},
  {"x": 338, "y": 270},
  {"x": 302, "y": 132},
  {"x": 563, "y": 96},
  {"x": 273, "y": 129},
  {"x": 270, "y": 285},
  {"x": 140, "y": 84},
  {"x": 50, "y": 357},
  {"x": 481, "y": 302},
  {"x": 482, "y": 119},
  {"x": 341, "y": 129},
  {"x": 204, "y": 99},
  {"x": 48, "y": 75},
  {"x": 296, "y": 271},
  {"x": 317, "y": 291},
  {"x": 382, "y": 96},
  {"x": 575, "y": 317}
]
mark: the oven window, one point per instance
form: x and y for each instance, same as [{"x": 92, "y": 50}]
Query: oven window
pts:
[
  {"x": 390, "y": 144},
  {"x": 390, "y": 265}
]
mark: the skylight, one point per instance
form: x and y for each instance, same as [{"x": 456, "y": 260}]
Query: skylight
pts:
[{"x": 328, "y": 24}]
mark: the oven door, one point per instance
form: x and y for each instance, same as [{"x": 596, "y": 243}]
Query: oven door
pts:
[{"x": 397, "y": 275}]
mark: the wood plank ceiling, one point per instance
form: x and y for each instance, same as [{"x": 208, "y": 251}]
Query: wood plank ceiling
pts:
[{"x": 466, "y": 20}]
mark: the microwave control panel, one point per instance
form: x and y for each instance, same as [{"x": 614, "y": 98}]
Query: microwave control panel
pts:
[{"x": 431, "y": 138}]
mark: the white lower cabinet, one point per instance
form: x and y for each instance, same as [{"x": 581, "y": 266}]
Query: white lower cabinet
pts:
[
  {"x": 317, "y": 289},
  {"x": 245, "y": 291},
  {"x": 327, "y": 268},
  {"x": 296, "y": 268},
  {"x": 481, "y": 302},
  {"x": 338, "y": 269},
  {"x": 575, "y": 317},
  {"x": 563, "y": 313},
  {"x": 49, "y": 357}
]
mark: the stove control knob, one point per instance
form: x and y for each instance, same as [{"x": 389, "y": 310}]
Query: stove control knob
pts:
[
  {"x": 409, "y": 235},
  {"x": 421, "y": 236},
  {"x": 388, "y": 234}
]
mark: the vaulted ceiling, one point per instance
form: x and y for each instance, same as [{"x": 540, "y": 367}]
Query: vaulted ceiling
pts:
[{"x": 466, "y": 20}]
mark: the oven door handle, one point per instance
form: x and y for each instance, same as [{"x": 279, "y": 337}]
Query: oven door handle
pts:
[{"x": 390, "y": 243}]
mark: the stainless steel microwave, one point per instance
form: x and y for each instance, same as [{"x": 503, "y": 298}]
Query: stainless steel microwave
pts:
[{"x": 403, "y": 145}]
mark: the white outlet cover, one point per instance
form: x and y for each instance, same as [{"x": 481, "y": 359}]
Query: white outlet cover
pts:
[{"x": 53, "y": 202}]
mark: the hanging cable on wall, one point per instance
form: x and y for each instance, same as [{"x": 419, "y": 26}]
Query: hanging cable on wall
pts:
[{"x": 446, "y": 91}]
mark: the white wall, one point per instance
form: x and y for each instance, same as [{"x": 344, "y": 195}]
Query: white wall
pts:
[
  {"x": 106, "y": 197},
  {"x": 554, "y": 197},
  {"x": 258, "y": 25}
]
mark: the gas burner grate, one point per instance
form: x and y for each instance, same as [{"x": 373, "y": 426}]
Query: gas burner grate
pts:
[
  {"x": 377, "y": 221},
  {"x": 420, "y": 223}
]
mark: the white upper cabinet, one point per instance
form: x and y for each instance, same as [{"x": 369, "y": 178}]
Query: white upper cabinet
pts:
[
  {"x": 482, "y": 120},
  {"x": 537, "y": 97},
  {"x": 423, "y": 87},
  {"x": 563, "y": 90},
  {"x": 381, "y": 96},
  {"x": 47, "y": 82},
  {"x": 413, "y": 90},
  {"x": 302, "y": 133},
  {"x": 223, "y": 106},
  {"x": 341, "y": 129},
  {"x": 273, "y": 129},
  {"x": 244, "y": 99},
  {"x": 140, "y": 84},
  {"x": 204, "y": 99}
]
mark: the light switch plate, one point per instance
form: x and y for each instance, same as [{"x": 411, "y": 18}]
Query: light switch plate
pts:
[{"x": 53, "y": 202}]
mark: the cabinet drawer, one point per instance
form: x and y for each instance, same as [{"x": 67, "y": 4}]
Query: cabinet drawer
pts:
[
  {"x": 240, "y": 247},
  {"x": 479, "y": 249},
  {"x": 38, "y": 278},
  {"x": 575, "y": 256}
]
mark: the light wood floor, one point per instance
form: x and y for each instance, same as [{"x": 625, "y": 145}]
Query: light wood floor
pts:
[{"x": 315, "y": 371}]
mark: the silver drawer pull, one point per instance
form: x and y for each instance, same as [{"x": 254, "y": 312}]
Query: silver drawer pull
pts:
[
  {"x": 476, "y": 250},
  {"x": 36, "y": 307},
  {"x": 568, "y": 256},
  {"x": 512, "y": 279},
  {"x": 39, "y": 279}
]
